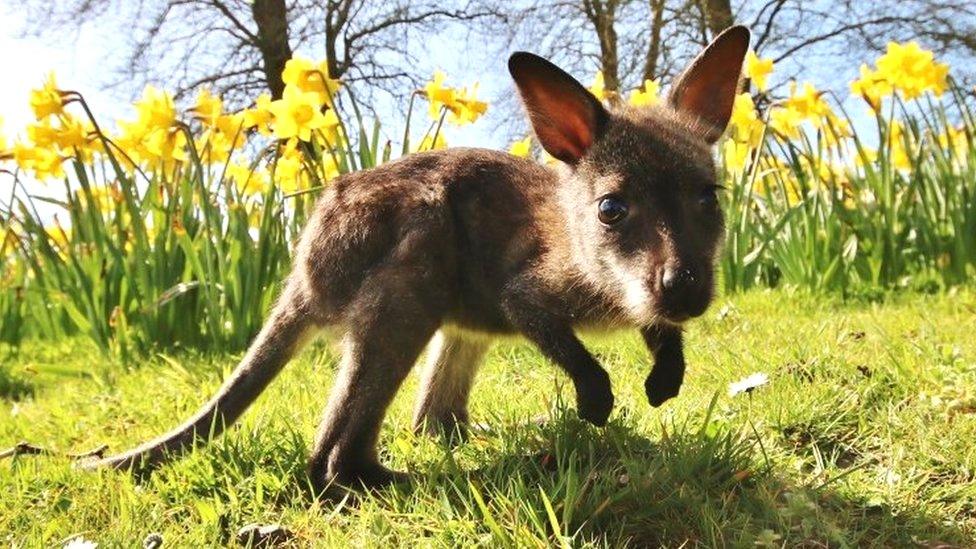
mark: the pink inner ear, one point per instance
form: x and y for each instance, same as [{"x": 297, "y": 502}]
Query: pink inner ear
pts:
[
  {"x": 707, "y": 88},
  {"x": 563, "y": 122}
]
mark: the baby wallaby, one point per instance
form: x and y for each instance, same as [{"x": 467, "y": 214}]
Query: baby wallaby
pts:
[{"x": 454, "y": 247}]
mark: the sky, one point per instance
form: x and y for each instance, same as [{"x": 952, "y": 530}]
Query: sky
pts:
[
  {"x": 81, "y": 67},
  {"x": 26, "y": 61}
]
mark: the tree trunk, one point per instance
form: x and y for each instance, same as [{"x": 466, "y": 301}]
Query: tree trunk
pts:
[
  {"x": 654, "y": 45},
  {"x": 271, "y": 18},
  {"x": 603, "y": 15},
  {"x": 718, "y": 16}
]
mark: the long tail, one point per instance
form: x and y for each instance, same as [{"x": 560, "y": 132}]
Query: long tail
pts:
[{"x": 274, "y": 346}]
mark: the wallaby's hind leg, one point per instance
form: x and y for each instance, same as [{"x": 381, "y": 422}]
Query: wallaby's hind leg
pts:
[
  {"x": 452, "y": 363},
  {"x": 388, "y": 328}
]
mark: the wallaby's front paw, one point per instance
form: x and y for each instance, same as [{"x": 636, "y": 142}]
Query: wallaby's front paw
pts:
[
  {"x": 660, "y": 389},
  {"x": 594, "y": 400}
]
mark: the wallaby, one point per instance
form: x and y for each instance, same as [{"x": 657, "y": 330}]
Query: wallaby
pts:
[{"x": 456, "y": 246}]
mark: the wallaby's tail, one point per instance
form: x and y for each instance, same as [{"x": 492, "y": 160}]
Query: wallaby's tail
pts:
[{"x": 274, "y": 346}]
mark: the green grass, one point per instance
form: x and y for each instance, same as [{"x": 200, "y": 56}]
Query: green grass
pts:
[{"x": 863, "y": 437}]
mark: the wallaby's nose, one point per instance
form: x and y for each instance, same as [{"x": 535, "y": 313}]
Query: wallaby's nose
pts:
[{"x": 677, "y": 279}]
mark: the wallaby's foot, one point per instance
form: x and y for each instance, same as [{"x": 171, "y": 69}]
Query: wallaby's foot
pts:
[
  {"x": 594, "y": 399},
  {"x": 453, "y": 426},
  {"x": 354, "y": 474},
  {"x": 659, "y": 391}
]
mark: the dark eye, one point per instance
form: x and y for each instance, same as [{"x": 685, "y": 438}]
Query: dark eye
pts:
[
  {"x": 708, "y": 197},
  {"x": 611, "y": 210}
]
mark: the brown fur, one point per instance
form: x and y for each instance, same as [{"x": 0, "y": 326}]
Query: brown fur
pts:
[{"x": 478, "y": 243}]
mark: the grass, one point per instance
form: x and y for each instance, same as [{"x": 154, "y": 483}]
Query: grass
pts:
[{"x": 863, "y": 437}]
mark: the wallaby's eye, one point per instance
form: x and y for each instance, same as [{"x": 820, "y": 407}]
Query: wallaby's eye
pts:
[
  {"x": 611, "y": 210},
  {"x": 708, "y": 198}
]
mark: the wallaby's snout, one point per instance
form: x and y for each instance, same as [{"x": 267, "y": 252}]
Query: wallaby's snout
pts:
[{"x": 685, "y": 290}]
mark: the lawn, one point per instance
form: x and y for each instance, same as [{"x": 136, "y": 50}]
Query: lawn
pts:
[{"x": 863, "y": 436}]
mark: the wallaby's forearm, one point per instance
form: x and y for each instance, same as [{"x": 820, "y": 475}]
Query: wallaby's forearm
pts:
[{"x": 664, "y": 381}]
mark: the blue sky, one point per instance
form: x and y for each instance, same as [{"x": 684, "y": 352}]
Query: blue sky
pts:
[{"x": 83, "y": 67}]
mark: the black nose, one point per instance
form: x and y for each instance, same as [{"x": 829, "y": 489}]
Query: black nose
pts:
[{"x": 677, "y": 279}]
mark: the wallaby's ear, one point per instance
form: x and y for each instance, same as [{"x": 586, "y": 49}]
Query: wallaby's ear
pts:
[
  {"x": 708, "y": 86},
  {"x": 566, "y": 117}
]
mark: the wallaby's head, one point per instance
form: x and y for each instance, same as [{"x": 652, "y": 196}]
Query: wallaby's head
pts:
[{"x": 640, "y": 186}]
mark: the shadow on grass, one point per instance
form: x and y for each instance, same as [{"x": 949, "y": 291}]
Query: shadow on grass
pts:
[
  {"x": 693, "y": 486},
  {"x": 612, "y": 486}
]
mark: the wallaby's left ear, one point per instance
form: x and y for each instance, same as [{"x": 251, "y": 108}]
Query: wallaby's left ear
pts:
[{"x": 707, "y": 88}]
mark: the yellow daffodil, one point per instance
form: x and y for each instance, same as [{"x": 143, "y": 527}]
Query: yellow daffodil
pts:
[
  {"x": 912, "y": 70},
  {"x": 43, "y": 162},
  {"x": 72, "y": 134},
  {"x": 466, "y": 108},
  {"x": 647, "y": 95},
  {"x": 432, "y": 142},
  {"x": 462, "y": 105},
  {"x": 42, "y": 133},
  {"x": 906, "y": 69},
  {"x": 166, "y": 145},
  {"x": 758, "y": 70},
  {"x": 330, "y": 129},
  {"x": 260, "y": 116},
  {"x": 897, "y": 150},
  {"x": 104, "y": 198},
  {"x": 155, "y": 109},
  {"x": 310, "y": 77},
  {"x": 297, "y": 114},
  {"x": 598, "y": 88},
  {"x": 249, "y": 182},
  {"x": 785, "y": 121},
  {"x": 46, "y": 100},
  {"x": 872, "y": 87},
  {"x": 521, "y": 148},
  {"x": 735, "y": 154},
  {"x": 289, "y": 168},
  {"x": 745, "y": 123},
  {"x": 438, "y": 95},
  {"x": 807, "y": 101},
  {"x": 209, "y": 108}
]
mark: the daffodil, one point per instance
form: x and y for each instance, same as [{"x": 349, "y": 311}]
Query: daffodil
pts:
[
  {"x": 807, "y": 101},
  {"x": 745, "y": 123},
  {"x": 209, "y": 108},
  {"x": 310, "y": 77},
  {"x": 297, "y": 114},
  {"x": 42, "y": 133},
  {"x": 46, "y": 100},
  {"x": 43, "y": 162},
  {"x": 872, "y": 87},
  {"x": 166, "y": 146},
  {"x": 646, "y": 95},
  {"x": 330, "y": 129},
  {"x": 466, "y": 108},
  {"x": 912, "y": 70},
  {"x": 785, "y": 121},
  {"x": 248, "y": 181},
  {"x": 521, "y": 148},
  {"x": 72, "y": 134},
  {"x": 897, "y": 150},
  {"x": 155, "y": 109},
  {"x": 598, "y": 88},
  {"x": 260, "y": 116},
  {"x": 289, "y": 168},
  {"x": 734, "y": 155},
  {"x": 758, "y": 70},
  {"x": 438, "y": 95},
  {"x": 432, "y": 143}
]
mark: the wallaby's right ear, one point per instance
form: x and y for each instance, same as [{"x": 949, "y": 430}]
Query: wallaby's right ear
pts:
[{"x": 566, "y": 117}]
